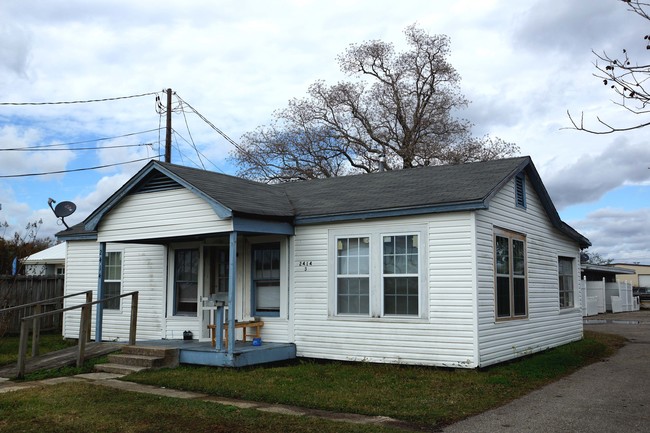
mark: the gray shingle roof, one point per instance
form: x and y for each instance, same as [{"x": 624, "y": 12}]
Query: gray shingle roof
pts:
[
  {"x": 402, "y": 189},
  {"x": 417, "y": 190},
  {"x": 239, "y": 195}
]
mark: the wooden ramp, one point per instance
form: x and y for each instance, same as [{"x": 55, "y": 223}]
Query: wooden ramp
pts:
[{"x": 60, "y": 358}]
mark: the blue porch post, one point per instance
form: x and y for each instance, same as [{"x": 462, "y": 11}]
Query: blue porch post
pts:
[
  {"x": 100, "y": 293},
  {"x": 232, "y": 287}
]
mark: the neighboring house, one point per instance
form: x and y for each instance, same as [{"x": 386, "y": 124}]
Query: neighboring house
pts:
[
  {"x": 641, "y": 278},
  {"x": 50, "y": 261},
  {"x": 456, "y": 266},
  {"x": 609, "y": 273}
]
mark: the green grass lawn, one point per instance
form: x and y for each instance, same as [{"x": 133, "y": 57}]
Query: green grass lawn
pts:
[
  {"x": 49, "y": 343},
  {"x": 422, "y": 395},
  {"x": 81, "y": 407}
]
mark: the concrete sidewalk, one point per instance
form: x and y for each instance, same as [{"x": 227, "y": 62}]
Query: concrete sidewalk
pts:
[{"x": 610, "y": 396}]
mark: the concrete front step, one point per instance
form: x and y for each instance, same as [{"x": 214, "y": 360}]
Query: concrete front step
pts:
[
  {"x": 138, "y": 358},
  {"x": 118, "y": 368}
]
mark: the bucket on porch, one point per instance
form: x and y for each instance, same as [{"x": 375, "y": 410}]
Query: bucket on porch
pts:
[
  {"x": 187, "y": 335},
  {"x": 257, "y": 341}
]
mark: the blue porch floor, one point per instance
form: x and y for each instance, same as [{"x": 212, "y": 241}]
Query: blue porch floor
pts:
[{"x": 244, "y": 354}]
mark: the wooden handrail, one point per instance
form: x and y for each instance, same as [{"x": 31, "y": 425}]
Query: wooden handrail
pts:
[
  {"x": 84, "y": 327},
  {"x": 44, "y": 301}
]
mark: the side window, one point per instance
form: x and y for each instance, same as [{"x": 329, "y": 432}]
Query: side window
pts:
[
  {"x": 511, "y": 292},
  {"x": 112, "y": 279},
  {"x": 266, "y": 280},
  {"x": 401, "y": 275},
  {"x": 186, "y": 281},
  {"x": 353, "y": 275},
  {"x": 565, "y": 275}
]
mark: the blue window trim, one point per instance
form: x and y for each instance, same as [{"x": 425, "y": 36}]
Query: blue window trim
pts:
[
  {"x": 254, "y": 248},
  {"x": 520, "y": 191}
]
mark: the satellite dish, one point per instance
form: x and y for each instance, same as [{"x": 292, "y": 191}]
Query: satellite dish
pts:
[{"x": 64, "y": 209}]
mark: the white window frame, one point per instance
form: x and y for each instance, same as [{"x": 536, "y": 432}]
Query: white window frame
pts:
[
  {"x": 347, "y": 276},
  {"x": 120, "y": 280},
  {"x": 402, "y": 275},
  {"x": 375, "y": 234}
]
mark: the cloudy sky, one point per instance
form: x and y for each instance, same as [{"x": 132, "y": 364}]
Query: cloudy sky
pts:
[{"x": 523, "y": 65}]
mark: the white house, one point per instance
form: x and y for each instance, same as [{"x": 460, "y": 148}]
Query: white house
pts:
[
  {"x": 50, "y": 261},
  {"x": 457, "y": 266}
]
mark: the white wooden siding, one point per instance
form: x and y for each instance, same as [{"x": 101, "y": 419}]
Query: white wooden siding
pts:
[
  {"x": 160, "y": 214},
  {"x": 443, "y": 336},
  {"x": 546, "y": 325},
  {"x": 143, "y": 270}
]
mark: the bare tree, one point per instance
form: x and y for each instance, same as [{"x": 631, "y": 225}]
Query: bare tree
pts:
[
  {"x": 398, "y": 113},
  {"x": 626, "y": 78}
]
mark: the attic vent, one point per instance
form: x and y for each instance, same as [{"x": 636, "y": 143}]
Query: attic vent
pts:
[
  {"x": 158, "y": 182},
  {"x": 520, "y": 191}
]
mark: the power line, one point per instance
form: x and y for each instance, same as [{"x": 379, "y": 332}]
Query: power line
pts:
[
  {"x": 77, "y": 169},
  {"x": 219, "y": 131},
  {"x": 49, "y": 148},
  {"x": 81, "y": 101}
]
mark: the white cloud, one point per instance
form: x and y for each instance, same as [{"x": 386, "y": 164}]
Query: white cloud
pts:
[
  {"x": 593, "y": 175},
  {"x": 618, "y": 234}
]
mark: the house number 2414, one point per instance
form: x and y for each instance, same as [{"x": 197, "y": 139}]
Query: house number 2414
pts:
[{"x": 305, "y": 264}]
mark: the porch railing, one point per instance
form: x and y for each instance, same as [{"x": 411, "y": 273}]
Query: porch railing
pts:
[{"x": 84, "y": 327}]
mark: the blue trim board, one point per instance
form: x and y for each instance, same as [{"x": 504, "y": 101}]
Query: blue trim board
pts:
[{"x": 244, "y": 355}]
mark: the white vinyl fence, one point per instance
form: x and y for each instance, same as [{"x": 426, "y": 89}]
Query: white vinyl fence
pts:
[{"x": 600, "y": 297}]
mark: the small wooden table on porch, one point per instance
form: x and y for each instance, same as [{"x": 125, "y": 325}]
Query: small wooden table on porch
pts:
[{"x": 256, "y": 324}]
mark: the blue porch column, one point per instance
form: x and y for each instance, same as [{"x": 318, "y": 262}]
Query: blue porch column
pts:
[
  {"x": 100, "y": 293},
  {"x": 232, "y": 287}
]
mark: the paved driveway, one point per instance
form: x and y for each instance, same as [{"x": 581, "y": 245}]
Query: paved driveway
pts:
[{"x": 610, "y": 396}]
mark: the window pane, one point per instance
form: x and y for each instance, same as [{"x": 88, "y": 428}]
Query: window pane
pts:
[
  {"x": 353, "y": 296},
  {"x": 565, "y": 277},
  {"x": 267, "y": 296},
  {"x": 112, "y": 278},
  {"x": 266, "y": 279},
  {"x": 503, "y": 296},
  {"x": 186, "y": 277},
  {"x": 518, "y": 261},
  {"x": 401, "y": 295},
  {"x": 520, "y": 296},
  {"x": 502, "y": 255},
  {"x": 112, "y": 289}
]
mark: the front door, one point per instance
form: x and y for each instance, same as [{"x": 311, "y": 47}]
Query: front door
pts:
[{"x": 215, "y": 280}]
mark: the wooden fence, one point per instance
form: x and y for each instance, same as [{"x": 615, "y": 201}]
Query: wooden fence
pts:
[{"x": 19, "y": 290}]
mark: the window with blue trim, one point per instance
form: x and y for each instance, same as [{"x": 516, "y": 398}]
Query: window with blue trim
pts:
[
  {"x": 520, "y": 190},
  {"x": 265, "y": 282}
]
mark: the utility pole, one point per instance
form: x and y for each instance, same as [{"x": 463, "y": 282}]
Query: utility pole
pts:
[{"x": 168, "y": 135}]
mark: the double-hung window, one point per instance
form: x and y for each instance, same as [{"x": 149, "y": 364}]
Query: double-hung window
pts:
[
  {"x": 401, "y": 274},
  {"x": 565, "y": 275},
  {"x": 353, "y": 275},
  {"x": 186, "y": 281},
  {"x": 511, "y": 294},
  {"x": 112, "y": 279},
  {"x": 266, "y": 280},
  {"x": 378, "y": 272}
]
